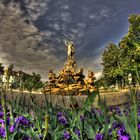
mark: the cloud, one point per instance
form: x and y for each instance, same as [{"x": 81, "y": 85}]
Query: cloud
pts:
[
  {"x": 33, "y": 31},
  {"x": 19, "y": 42},
  {"x": 36, "y": 8},
  {"x": 93, "y": 64},
  {"x": 65, "y": 7},
  {"x": 79, "y": 25}
]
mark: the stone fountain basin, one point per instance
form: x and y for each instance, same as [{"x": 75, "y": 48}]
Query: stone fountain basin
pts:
[{"x": 112, "y": 98}]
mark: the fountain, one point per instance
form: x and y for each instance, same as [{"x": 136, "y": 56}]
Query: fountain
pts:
[{"x": 69, "y": 81}]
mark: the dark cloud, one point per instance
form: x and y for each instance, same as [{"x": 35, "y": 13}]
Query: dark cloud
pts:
[
  {"x": 19, "y": 42},
  {"x": 44, "y": 24}
]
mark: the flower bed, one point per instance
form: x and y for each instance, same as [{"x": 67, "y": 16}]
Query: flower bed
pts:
[
  {"x": 87, "y": 124},
  {"x": 59, "y": 123}
]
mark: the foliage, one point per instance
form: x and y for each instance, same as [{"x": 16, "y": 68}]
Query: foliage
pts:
[
  {"x": 119, "y": 61},
  {"x": 87, "y": 123},
  {"x": 112, "y": 69},
  {"x": 32, "y": 82}
]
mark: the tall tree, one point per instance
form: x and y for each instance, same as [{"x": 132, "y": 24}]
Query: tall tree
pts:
[
  {"x": 119, "y": 62},
  {"x": 112, "y": 70},
  {"x": 130, "y": 48},
  {"x": 32, "y": 82}
]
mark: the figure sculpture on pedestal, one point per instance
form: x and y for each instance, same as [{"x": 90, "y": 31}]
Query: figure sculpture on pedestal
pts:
[
  {"x": 52, "y": 77},
  {"x": 70, "y": 48},
  {"x": 70, "y": 64},
  {"x": 90, "y": 80},
  {"x": 80, "y": 76}
]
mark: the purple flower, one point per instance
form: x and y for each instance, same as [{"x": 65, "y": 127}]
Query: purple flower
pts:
[
  {"x": 12, "y": 128},
  {"x": 110, "y": 132},
  {"x": 82, "y": 117},
  {"x": 8, "y": 113},
  {"x": 0, "y": 107},
  {"x": 2, "y": 132},
  {"x": 1, "y": 114},
  {"x": 111, "y": 108},
  {"x": 93, "y": 111},
  {"x": 139, "y": 127},
  {"x": 125, "y": 111},
  {"x": 26, "y": 138},
  {"x": 59, "y": 114},
  {"x": 1, "y": 121},
  {"x": 77, "y": 132},
  {"x": 139, "y": 112},
  {"x": 40, "y": 136},
  {"x": 118, "y": 125},
  {"x": 118, "y": 111},
  {"x": 99, "y": 111},
  {"x": 124, "y": 137},
  {"x": 107, "y": 120},
  {"x": 17, "y": 120},
  {"x": 121, "y": 131},
  {"x": 99, "y": 136},
  {"x": 22, "y": 121},
  {"x": 62, "y": 120},
  {"x": 66, "y": 134},
  {"x": 8, "y": 120}
]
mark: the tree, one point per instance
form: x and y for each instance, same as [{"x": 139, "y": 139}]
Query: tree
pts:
[
  {"x": 32, "y": 82},
  {"x": 10, "y": 70},
  {"x": 119, "y": 62},
  {"x": 112, "y": 71},
  {"x": 130, "y": 48}
]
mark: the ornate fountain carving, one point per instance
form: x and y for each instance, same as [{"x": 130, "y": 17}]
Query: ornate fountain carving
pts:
[{"x": 69, "y": 81}]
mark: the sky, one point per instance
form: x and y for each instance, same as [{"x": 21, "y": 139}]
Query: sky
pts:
[{"x": 32, "y": 32}]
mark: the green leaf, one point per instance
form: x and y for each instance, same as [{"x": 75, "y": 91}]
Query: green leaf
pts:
[
  {"x": 88, "y": 129},
  {"x": 90, "y": 99}
]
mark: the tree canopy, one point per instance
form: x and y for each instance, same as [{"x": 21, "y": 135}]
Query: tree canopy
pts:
[{"x": 119, "y": 61}]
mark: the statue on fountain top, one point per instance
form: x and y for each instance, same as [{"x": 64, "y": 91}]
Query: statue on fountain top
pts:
[
  {"x": 70, "y": 48},
  {"x": 71, "y": 63}
]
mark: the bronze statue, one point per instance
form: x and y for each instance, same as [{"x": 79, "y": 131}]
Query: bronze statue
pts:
[
  {"x": 61, "y": 77},
  {"x": 71, "y": 63},
  {"x": 91, "y": 78},
  {"x": 52, "y": 77},
  {"x": 70, "y": 48},
  {"x": 80, "y": 76}
]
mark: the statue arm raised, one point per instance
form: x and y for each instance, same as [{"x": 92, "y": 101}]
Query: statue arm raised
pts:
[{"x": 68, "y": 43}]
